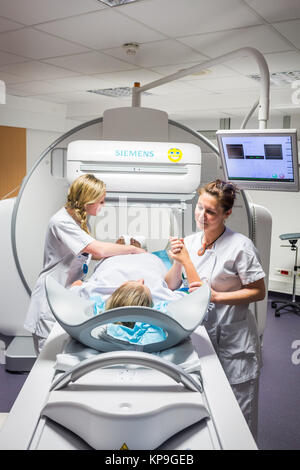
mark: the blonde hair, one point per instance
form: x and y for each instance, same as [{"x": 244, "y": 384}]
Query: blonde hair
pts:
[
  {"x": 127, "y": 295},
  {"x": 223, "y": 191},
  {"x": 84, "y": 190}
]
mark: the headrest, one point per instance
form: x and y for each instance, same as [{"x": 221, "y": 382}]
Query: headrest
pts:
[{"x": 75, "y": 315}]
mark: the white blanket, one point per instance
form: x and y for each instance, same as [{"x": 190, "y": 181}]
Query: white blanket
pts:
[{"x": 111, "y": 272}]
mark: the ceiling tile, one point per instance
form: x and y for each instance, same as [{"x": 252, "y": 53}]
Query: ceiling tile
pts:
[
  {"x": 159, "y": 53},
  {"x": 282, "y": 98},
  {"x": 179, "y": 18},
  {"x": 10, "y": 79},
  {"x": 35, "y": 87},
  {"x": 213, "y": 72},
  {"x": 8, "y": 25},
  {"x": 91, "y": 62},
  {"x": 6, "y": 58},
  {"x": 292, "y": 110},
  {"x": 37, "y": 11},
  {"x": 11, "y": 91},
  {"x": 227, "y": 83},
  {"x": 277, "y": 62},
  {"x": 77, "y": 83},
  {"x": 36, "y": 45},
  {"x": 60, "y": 98},
  {"x": 34, "y": 70},
  {"x": 128, "y": 78},
  {"x": 263, "y": 38},
  {"x": 290, "y": 29},
  {"x": 101, "y": 30},
  {"x": 174, "y": 88},
  {"x": 276, "y": 10}
]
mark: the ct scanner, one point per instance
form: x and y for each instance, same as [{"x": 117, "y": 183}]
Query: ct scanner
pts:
[{"x": 130, "y": 202}]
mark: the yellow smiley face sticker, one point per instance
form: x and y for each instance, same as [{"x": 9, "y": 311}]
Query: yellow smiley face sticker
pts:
[{"x": 174, "y": 155}]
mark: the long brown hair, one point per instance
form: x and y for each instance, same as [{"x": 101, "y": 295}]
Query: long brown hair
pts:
[{"x": 223, "y": 191}]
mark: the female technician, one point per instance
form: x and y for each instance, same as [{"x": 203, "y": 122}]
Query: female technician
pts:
[
  {"x": 230, "y": 263},
  {"x": 67, "y": 248}
]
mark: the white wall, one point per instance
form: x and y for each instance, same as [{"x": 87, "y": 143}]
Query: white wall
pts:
[
  {"x": 44, "y": 122},
  {"x": 36, "y": 142}
]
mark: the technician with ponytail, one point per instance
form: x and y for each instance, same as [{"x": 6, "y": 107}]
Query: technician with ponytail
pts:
[
  {"x": 230, "y": 263},
  {"x": 68, "y": 246}
]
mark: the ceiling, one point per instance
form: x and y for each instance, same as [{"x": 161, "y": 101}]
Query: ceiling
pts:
[{"x": 56, "y": 50}]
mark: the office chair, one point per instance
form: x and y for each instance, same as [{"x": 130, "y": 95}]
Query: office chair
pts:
[{"x": 292, "y": 306}]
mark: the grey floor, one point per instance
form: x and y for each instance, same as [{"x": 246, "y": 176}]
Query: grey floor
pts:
[{"x": 279, "y": 398}]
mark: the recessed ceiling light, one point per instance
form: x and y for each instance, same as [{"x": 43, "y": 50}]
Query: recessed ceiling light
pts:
[
  {"x": 280, "y": 78},
  {"x": 116, "y": 3},
  {"x": 119, "y": 92}
]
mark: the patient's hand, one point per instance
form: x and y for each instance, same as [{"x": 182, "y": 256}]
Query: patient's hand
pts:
[
  {"x": 77, "y": 283},
  {"x": 136, "y": 246},
  {"x": 176, "y": 244},
  {"x": 179, "y": 253}
]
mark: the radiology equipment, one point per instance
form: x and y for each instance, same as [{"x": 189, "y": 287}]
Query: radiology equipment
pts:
[
  {"x": 152, "y": 167},
  {"x": 168, "y": 205},
  {"x": 260, "y": 159}
]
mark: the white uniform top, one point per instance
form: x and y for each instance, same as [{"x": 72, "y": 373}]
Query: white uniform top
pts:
[
  {"x": 65, "y": 240},
  {"x": 111, "y": 272},
  {"x": 232, "y": 262}
]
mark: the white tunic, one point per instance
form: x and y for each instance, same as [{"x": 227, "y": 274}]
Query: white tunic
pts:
[
  {"x": 111, "y": 272},
  {"x": 232, "y": 262},
  {"x": 65, "y": 240}
]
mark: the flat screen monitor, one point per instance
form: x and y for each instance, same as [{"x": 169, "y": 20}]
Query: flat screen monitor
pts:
[{"x": 260, "y": 159}]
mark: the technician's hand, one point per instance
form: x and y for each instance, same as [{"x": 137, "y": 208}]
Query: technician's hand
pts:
[
  {"x": 77, "y": 283},
  {"x": 213, "y": 294},
  {"x": 195, "y": 285}
]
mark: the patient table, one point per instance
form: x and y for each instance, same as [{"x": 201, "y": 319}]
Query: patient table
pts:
[{"x": 127, "y": 399}]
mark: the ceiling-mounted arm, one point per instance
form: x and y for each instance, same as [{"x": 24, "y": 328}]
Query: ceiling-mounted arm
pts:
[{"x": 263, "y": 113}]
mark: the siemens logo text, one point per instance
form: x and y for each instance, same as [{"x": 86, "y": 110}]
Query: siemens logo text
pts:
[{"x": 134, "y": 153}]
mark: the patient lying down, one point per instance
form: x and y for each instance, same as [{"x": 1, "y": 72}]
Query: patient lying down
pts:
[
  {"x": 128, "y": 280},
  {"x": 131, "y": 293}
]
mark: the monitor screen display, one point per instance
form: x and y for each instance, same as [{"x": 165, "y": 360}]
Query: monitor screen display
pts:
[{"x": 260, "y": 159}]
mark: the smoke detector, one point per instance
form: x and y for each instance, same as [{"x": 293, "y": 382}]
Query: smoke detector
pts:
[{"x": 131, "y": 48}]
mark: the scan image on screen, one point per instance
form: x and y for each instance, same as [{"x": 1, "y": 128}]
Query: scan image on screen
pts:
[{"x": 260, "y": 159}]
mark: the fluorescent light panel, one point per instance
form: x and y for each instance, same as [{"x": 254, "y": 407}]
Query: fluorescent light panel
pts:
[
  {"x": 116, "y": 92},
  {"x": 116, "y": 3},
  {"x": 280, "y": 78}
]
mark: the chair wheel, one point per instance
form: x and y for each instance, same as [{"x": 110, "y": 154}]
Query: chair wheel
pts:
[
  {"x": 273, "y": 304},
  {"x": 277, "y": 314}
]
